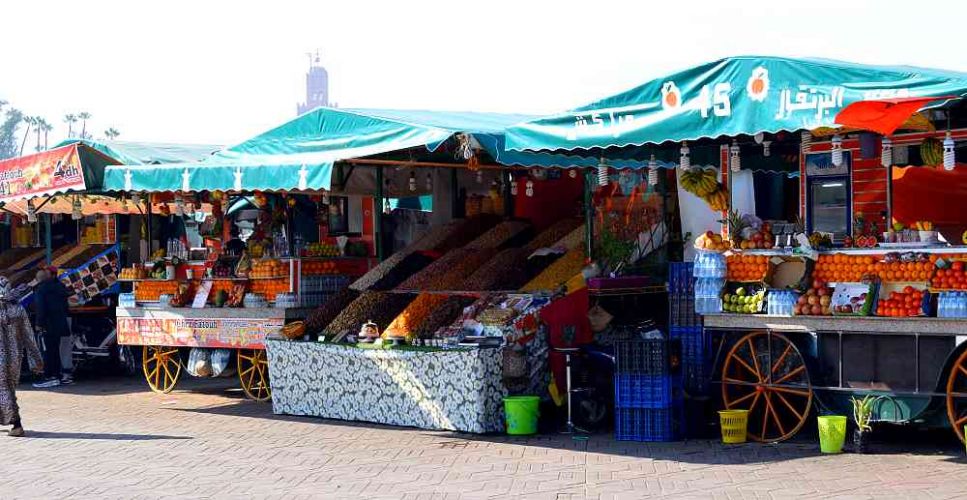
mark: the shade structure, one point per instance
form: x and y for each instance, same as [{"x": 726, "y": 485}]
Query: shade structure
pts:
[
  {"x": 730, "y": 97},
  {"x": 71, "y": 168},
  {"x": 883, "y": 116},
  {"x": 148, "y": 153},
  {"x": 301, "y": 153}
]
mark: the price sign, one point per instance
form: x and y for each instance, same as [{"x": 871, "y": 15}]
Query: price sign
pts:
[{"x": 201, "y": 296}]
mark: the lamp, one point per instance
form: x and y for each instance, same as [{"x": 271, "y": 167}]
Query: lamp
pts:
[
  {"x": 602, "y": 173},
  {"x": 949, "y": 157},
  {"x": 479, "y": 176},
  {"x": 429, "y": 182},
  {"x": 652, "y": 171},
  {"x": 412, "y": 181},
  {"x": 886, "y": 152},
  {"x": 572, "y": 173},
  {"x": 76, "y": 213},
  {"x": 806, "y": 141},
  {"x": 686, "y": 159},
  {"x": 837, "y": 151},
  {"x": 31, "y": 211},
  {"x": 766, "y": 150},
  {"x": 529, "y": 188},
  {"x": 735, "y": 162},
  {"x": 513, "y": 186}
]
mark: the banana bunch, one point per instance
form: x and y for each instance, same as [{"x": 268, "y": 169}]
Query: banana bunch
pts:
[
  {"x": 719, "y": 200},
  {"x": 700, "y": 182},
  {"x": 931, "y": 152},
  {"x": 923, "y": 225}
]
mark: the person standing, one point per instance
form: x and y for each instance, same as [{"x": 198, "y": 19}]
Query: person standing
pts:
[
  {"x": 52, "y": 310},
  {"x": 16, "y": 336}
]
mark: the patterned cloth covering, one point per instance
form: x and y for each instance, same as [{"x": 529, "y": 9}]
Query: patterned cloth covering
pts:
[{"x": 457, "y": 390}]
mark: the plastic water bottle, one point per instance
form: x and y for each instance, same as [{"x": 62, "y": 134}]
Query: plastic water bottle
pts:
[
  {"x": 942, "y": 305},
  {"x": 961, "y": 305}
]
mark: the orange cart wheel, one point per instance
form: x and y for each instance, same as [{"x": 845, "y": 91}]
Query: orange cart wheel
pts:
[
  {"x": 767, "y": 375},
  {"x": 253, "y": 373},
  {"x": 162, "y": 367},
  {"x": 957, "y": 395}
]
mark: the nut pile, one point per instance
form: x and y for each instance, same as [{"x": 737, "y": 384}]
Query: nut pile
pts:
[
  {"x": 506, "y": 271},
  {"x": 415, "y": 314},
  {"x": 467, "y": 231},
  {"x": 573, "y": 240},
  {"x": 443, "y": 316},
  {"x": 557, "y": 273},
  {"x": 431, "y": 239},
  {"x": 554, "y": 233},
  {"x": 410, "y": 265},
  {"x": 502, "y": 234},
  {"x": 379, "y": 307},
  {"x": 320, "y": 318},
  {"x": 449, "y": 271}
]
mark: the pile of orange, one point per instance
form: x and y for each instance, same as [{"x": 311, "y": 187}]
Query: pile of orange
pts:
[
  {"x": 319, "y": 267},
  {"x": 269, "y": 268},
  {"x": 952, "y": 278},
  {"x": 902, "y": 304},
  {"x": 839, "y": 267},
  {"x": 747, "y": 267},
  {"x": 151, "y": 291},
  {"x": 269, "y": 288},
  {"x": 906, "y": 271}
]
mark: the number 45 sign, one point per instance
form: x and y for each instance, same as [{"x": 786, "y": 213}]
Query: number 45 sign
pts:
[{"x": 715, "y": 99}]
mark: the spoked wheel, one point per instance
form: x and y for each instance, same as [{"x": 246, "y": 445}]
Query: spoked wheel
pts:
[
  {"x": 162, "y": 367},
  {"x": 957, "y": 395},
  {"x": 767, "y": 375},
  {"x": 253, "y": 372}
]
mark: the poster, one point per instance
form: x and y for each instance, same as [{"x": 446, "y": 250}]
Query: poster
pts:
[
  {"x": 98, "y": 275},
  {"x": 238, "y": 333},
  {"x": 53, "y": 171}
]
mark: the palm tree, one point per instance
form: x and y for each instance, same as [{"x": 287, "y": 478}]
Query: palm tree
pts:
[
  {"x": 70, "y": 120},
  {"x": 38, "y": 128},
  {"x": 29, "y": 120},
  {"x": 84, "y": 116},
  {"x": 46, "y": 127},
  {"x": 111, "y": 133}
]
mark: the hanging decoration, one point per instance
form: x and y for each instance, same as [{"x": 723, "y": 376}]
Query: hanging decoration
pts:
[
  {"x": 387, "y": 209},
  {"x": 412, "y": 181},
  {"x": 806, "y": 141},
  {"x": 686, "y": 159},
  {"x": 652, "y": 171},
  {"x": 886, "y": 152},
  {"x": 837, "y": 150},
  {"x": 949, "y": 156},
  {"x": 735, "y": 162},
  {"x": 76, "y": 213},
  {"x": 602, "y": 173},
  {"x": 529, "y": 188},
  {"x": 513, "y": 186},
  {"x": 429, "y": 182},
  {"x": 766, "y": 150},
  {"x": 572, "y": 173},
  {"x": 31, "y": 211},
  {"x": 480, "y": 177}
]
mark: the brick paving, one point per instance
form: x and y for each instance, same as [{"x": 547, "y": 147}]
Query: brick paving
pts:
[{"x": 109, "y": 438}]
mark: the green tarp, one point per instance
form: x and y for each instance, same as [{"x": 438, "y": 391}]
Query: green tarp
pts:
[{"x": 730, "y": 97}]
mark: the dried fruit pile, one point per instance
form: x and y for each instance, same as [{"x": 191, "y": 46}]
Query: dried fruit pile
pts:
[
  {"x": 503, "y": 234},
  {"x": 431, "y": 239},
  {"x": 574, "y": 239},
  {"x": 379, "y": 307},
  {"x": 449, "y": 271},
  {"x": 320, "y": 318},
  {"x": 408, "y": 266},
  {"x": 467, "y": 231},
  {"x": 554, "y": 233},
  {"x": 506, "y": 271},
  {"x": 557, "y": 273},
  {"x": 415, "y": 314},
  {"x": 443, "y": 316}
]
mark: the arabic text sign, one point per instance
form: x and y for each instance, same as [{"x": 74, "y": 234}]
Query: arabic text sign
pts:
[
  {"x": 42, "y": 173},
  {"x": 237, "y": 333}
]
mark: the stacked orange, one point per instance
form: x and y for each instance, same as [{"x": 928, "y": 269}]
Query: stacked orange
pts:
[
  {"x": 319, "y": 267},
  {"x": 837, "y": 268},
  {"x": 951, "y": 278},
  {"x": 269, "y": 288},
  {"x": 268, "y": 268},
  {"x": 747, "y": 267},
  {"x": 905, "y": 303},
  {"x": 151, "y": 291},
  {"x": 906, "y": 271}
]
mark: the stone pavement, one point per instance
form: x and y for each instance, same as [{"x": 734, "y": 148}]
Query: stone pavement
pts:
[{"x": 110, "y": 438}]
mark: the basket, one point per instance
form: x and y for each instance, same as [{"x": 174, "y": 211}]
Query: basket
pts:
[
  {"x": 293, "y": 330},
  {"x": 832, "y": 433},
  {"x": 735, "y": 425}
]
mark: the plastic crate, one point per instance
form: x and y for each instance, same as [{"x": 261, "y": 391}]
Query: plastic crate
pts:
[
  {"x": 644, "y": 391},
  {"x": 647, "y": 357},
  {"x": 682, "y": 311},
  {"x": 649, "y": 425},
  {"x": 695, "y": 358},
  {"x": 680, "y": 278}
]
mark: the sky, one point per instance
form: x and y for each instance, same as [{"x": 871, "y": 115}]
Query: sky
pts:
[{"x": 219, "y": 72}]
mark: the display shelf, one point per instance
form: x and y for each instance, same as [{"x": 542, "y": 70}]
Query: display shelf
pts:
[
  {"x": 143, "y": 280},
  {"x": 872, "y": 325},
  {"x": 856, "y": 251}
]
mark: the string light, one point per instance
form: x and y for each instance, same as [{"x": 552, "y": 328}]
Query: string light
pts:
[
  {"x": 480, "y": 177},
  {"x": 886, "y": 152},
  {"x": 837, "y": 151},
  {"x": 735, "y": 162},
  {"x": 31, "y": 211},
  {"x": 513, "y": 187},
  {"x": 652, "y": 171},
  {"x": 412, "y": 181},
  {"x": 529, "y": 188},
  {"x": 602, "y": 173},
  {"x": 949, "y": 157},
  {"x": 686, "y": 159},
  {"x": 429, "y": 182},
  {"x": 766, "y": 148},
  {"x": 76, "y": 213},
  {"x": 807, "y": 141},
  {"x": 572, "y": 173}
]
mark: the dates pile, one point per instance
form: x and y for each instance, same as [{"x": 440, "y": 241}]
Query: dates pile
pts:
[
  {"x": 319, "y": 319},
  {"x": 506, "y": 271},
  {"x": 467, "y": 231},
  {"x": 502, "y": 235},
  {"x": 554, "y": 233},
  {"x": 379, "y": 307},
  {"x": 443, "y": 316},
  {"x": 448, "y": 272},
  {"x": 408, "y": 266}
]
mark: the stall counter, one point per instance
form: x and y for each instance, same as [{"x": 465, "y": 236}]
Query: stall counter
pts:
[{"x": 456, "y": 390}]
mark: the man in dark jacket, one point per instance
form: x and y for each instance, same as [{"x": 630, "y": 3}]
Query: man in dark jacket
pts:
[{"x": 50, "y": 299}]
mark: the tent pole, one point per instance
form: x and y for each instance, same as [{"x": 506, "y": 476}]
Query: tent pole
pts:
[
  {"x": 889, "y": 198},
  {"x": 378, "y": 214},
  {"x": 48, "y": 251},
  {"x": 589, "y": 213}
]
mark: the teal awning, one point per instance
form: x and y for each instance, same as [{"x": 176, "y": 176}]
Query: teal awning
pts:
[
  {"x": 730, "y": 97},
  {"x": 300, "y": 154},
  {"x": 147, "y": 153}
]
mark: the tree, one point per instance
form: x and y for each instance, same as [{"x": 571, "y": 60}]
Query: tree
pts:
[
  {"x": 47, "y": 128},
  {"x": 30, "y": 121},
  {"x": 8, "y": 133},
  {"x": 111, "y": 133},
  {"x": 70, "y": 120},
  {"x": 39, "y": 123},
  {"x": 84, "y": 116}
]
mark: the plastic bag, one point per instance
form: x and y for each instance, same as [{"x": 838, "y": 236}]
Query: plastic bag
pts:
[
  {"x": 221, "y": 359},
  {"x": 200, "y": 362}
]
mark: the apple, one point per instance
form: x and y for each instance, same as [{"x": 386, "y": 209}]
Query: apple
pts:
[
  {"x": 813, "y": 300},
  {"x": 817, "y": 310},
  {"x": 797, "y": 310},
  {"x": 710, "y": 235},
  {"x": 824, "y": 300},
  {"x": 817, "y": 284},
  {"x": 822, "y": 292},
  {"x": 801, "y": 300}
]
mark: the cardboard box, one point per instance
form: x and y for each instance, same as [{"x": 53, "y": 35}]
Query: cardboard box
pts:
[{"x": 853, "y": 299}]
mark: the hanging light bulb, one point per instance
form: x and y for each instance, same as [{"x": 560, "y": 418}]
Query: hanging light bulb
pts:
[
  {"x": 429, "y": 182},
  {"x": 325, "y": 198},
  {"x": 572, "y": 173},
  {"x": 412, "y": 181},
  {"x": 735, "y": 162},
  {"x": 837, "y": 151},
  {"x": 179, "y": 206},
  {"x": 76, "y": 213},
  {"x": 686, "y": 159},
  {"x": 807, "y": 141},
  {"x": 31, "y": 211},
  {"x": 886, "y": 153},
  {"x": 387, "y": 209},
  {"x": 513, "y": 186},
  {"x": 479, "y": 176},
  {"x": 603, "y": 173},
  {"x": 529, "y": 188},
  {"x": 766, "y": 148},
  {"x": 652, "y": 171},
  {"x": 949, "y": 157}
]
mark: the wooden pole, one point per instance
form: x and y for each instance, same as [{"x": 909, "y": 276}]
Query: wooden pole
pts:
[
  {"x": 48, "y": 251},
  {"x": 378, "y": 214}
]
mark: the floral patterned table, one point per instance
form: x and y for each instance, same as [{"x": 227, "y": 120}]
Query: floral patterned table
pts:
[{"x": 458, "y": 390}]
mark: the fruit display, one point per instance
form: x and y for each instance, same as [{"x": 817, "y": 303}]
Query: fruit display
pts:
[
  {"x": 443, "y": 316},
  {"x": 747, "y": 267},
  {"x": 236, "y": 296},
  {"x": 502, "y": 234},
  {"x": 506, "y": 271},
  {"x": 268, "y": 268},
  {"x": 905, "y": 303},
  {"x": 820, "y": 240},
  {"x": 322, "y": 250},
  {"x": 269, "y": 288},
  {"x": 712, "y": 242},
  {"x": 433, "y": 238},
  {"x": 135, "y": 272},
  {"x": 951, "y": 277},
  {"x": 415, "y": 314},
  {"x": 963, "y": 238},
  {"x": 838, "y": 268},
  {"x": 931, "y": 152},
  {"x": 923, "y": 225},
  {"x": 319, "y": 267},
  {"x": 151, "y": 291},
  {"x": 559, "y": 272},
  {"x": 548, "y": 237},
  {"x": 744, "y": 299},
  {"x": 816, "y": 301},
  {"x": 182, "y": 295},
  {"x": 319, "y": 318},
  {"x": 379, "y": 307},
  {"x": 704, "y": 183}
]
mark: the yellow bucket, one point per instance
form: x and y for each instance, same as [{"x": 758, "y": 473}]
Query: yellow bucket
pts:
[
  {"x": 735, "y": 425},
  {"x": 832, "y": 433}
]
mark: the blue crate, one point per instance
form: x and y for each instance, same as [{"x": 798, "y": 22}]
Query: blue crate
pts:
[
  {"x": 645, "y": 391},
  {"x": 680, "y": 279},
  {"x": 649, "y": 425},
  {"x": 681, "y": 311},
  {"x": 695, "y": 343},
  {"x": 649, "y": 357},
  {"x": 696, "y": 358}
]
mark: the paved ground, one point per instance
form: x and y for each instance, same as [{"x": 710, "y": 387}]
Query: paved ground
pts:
[{"x": 110, "y": 438}]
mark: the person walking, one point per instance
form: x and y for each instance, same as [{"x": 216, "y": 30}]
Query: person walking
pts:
[
  {"x": 16, "y": 337},
  {"x": 50, "y": 299}
]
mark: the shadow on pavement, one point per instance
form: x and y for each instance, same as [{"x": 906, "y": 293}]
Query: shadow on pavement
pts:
[{"x": 101, "y": 437}]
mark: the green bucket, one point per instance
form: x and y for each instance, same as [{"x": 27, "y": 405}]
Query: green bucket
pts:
[
  {"x": 522, "y": 412},
  {"x": 832, "y": 433}
]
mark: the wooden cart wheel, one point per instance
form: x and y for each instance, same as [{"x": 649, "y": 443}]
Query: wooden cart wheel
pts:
[
  {"x": 767, "y": 375},
  {"x": 162, "y": 367},
  {"x": 253, "y": 372},
  {"x": 957, "y": 395}
]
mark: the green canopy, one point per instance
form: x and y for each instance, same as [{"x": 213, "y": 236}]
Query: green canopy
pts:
[
  {"x": 147, "y": 153},
  {"x": 301, "y": 153},
  {"x": 730, "y": 97}
]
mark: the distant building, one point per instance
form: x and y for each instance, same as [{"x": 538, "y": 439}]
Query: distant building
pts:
[{"x": 317, "y": 86}]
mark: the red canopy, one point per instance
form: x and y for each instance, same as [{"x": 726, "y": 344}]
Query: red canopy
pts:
[
  {"x": 883, "y": 115},
  {"x": 933, "y": 194}
]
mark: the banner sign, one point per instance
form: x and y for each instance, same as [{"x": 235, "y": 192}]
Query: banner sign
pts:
[
  {"x": 234, "y": 333},
  {"x": 45, "y": 173},
  {"x": 97, "y": 276}
]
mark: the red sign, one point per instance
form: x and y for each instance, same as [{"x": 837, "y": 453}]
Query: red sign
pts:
[
  {"x": 40, "y": 174},
  {"x": 234, "y": 333}
]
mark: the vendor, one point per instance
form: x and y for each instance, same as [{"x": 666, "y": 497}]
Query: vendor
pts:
[{"x": 234, "y": 246}]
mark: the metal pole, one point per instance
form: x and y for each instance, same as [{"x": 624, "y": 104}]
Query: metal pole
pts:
[
  {"x": 889, "y": 198},
  {"x": 589, "y": 213},
  {"x": 508, "y": 198},
  {"x": 47, "y": 239},
  {"x": 378, "y": 214}
]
